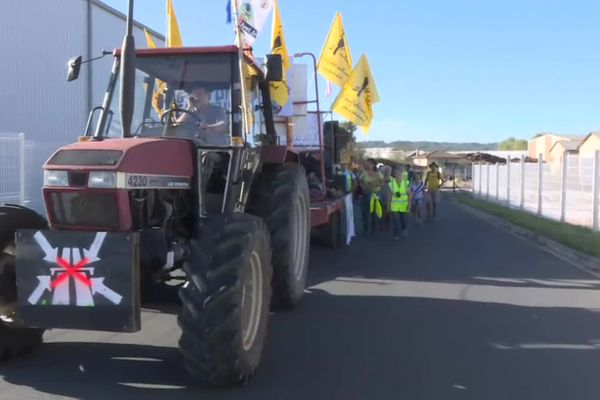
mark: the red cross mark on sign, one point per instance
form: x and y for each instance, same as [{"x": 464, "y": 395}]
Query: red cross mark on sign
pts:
[{"x": 71, "y": 270}]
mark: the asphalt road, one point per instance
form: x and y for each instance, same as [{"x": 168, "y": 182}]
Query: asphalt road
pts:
[{"x": 459, "y": 310}]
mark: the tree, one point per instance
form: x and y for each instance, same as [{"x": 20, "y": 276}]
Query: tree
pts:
[
  {"x": 349, "y": 126},
  {"x": 353, "y": 150},
  {"x": 513, "y": 144}
]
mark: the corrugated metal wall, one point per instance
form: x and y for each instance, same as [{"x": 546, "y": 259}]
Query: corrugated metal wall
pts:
[{"x": 38, "y": 37}]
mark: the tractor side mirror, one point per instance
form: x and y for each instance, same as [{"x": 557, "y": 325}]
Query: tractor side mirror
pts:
[
  {"x": 274, "y": 68},
  {"x": 74, "y": 68}
]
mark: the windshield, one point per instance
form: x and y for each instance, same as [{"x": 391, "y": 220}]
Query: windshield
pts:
[{"x": 180, "y": 96}]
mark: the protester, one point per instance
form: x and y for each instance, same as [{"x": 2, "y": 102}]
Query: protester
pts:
[
  {"x": 386, "y": 220},
  {"x": 417, "y": 193},
  {"x": 433, "y": 183},
  {"x": 371, "y": 182},
  {"x": 411, "y": 173},
  {"x": 398, "y": 205}
]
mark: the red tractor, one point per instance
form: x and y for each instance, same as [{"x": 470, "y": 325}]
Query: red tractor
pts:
[{"x": 203, "y": 194}]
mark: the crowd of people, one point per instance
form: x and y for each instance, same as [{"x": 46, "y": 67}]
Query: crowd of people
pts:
[{"x": 387, "y": 196}]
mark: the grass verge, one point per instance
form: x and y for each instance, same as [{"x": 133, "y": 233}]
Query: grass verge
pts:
[{"x": 573, "y": 236}]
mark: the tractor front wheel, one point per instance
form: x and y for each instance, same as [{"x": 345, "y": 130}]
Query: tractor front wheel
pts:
[
  {"x": 14, "y": 340},
  {"x": 226, "y": 299}
]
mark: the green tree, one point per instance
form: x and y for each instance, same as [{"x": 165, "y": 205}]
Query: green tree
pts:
[
  {"x": 350, "y": 127},
  {"x": 513, "y": 144}
]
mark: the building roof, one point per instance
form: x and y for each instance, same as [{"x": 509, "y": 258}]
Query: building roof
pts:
[
  {"x": 565, "y": 137},
  {"x": 442, "y": 155},
  {"x": 568, "y": 145}
]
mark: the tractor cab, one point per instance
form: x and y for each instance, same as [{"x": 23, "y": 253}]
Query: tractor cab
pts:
[{"x": 188, "y": 93}]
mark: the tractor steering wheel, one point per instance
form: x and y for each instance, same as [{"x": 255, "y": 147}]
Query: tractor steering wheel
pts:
[{"x": 171, "y": 111}]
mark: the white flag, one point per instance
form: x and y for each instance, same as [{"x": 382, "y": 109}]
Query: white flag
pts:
[{"x": 252, "y": 15}]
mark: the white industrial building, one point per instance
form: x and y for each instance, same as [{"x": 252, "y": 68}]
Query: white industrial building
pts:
[{"x": 36, "y": 101}]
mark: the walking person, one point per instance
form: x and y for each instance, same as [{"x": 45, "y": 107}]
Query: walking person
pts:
[
  {"x": 370, "y": 182},
  {"x": 417, "y": 191},
  {"x": 433, "y": 183},
  {"x": 399, "y": 202},
  {"x": 386, "y": 220}
]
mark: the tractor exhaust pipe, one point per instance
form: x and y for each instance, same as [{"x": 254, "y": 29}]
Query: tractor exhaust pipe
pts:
[{"x": 127, "y": 75}]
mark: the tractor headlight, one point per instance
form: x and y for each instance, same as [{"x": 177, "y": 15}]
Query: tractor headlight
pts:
[
  {"x": 55, "y": 178},
  {"x": 102, "y": 180}
]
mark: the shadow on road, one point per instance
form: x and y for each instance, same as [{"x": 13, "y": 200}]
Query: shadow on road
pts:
[{"x": 356, "y": 347}]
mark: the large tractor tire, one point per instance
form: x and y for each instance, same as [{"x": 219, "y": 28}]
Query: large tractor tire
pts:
[
  {"x": 13, "y": 339},
  {"x": 226, "y": 300},
  {"x": 284, "y": 204}
]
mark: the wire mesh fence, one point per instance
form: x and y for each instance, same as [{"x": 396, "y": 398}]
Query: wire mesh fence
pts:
[
  {"x": 12, "y": 159},
  {"x": 564, "y": 190}
]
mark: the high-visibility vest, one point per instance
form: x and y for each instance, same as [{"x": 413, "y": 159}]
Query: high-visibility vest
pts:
[
  {"x": 399, "y": 194},
  {"x": 375, "y": 206}
]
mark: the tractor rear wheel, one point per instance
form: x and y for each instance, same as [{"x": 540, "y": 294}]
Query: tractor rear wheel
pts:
[
  {"x": 226, "y": 299},
  {"x": 13, "y": 339},
  {"x": 284, "y": 203}
]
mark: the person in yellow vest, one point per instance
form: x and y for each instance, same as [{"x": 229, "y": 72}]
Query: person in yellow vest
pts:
[
  {"x": 399, "y": 202},
  {"x": 371, "y": 182},
  {"x": 433, "y": 183}
]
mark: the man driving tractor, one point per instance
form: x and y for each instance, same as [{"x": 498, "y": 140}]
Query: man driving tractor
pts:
[{"x": 210, "y": 118}]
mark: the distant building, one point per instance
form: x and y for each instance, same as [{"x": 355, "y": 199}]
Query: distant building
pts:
[
  {"x": 590, "y": 145},
  {"x": 562, "y": 146},
  {"x": 496, "y": 153},
  {"x": 387, "y": 153},
  {"x": 542, "y": 144}
]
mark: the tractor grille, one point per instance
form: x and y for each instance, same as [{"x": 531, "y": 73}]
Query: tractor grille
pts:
[
  {"x": 77, "y": 178},
  {"x": 84, "y": 209}
]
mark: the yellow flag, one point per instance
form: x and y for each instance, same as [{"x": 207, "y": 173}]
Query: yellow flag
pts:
[
  {"x": 335, "y": 63},
  {"x": 157, "y": 94},
  {"x": 355, "y": 101},
  {"x": 279, "y": 90},
  {"x": 149, "y": 40},
  {"x": 278, "y": 43},
  {"x": 173, "y": 34}
]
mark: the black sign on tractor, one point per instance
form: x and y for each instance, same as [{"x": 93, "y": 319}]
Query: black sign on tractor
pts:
[{"x": 78, "y": 280}]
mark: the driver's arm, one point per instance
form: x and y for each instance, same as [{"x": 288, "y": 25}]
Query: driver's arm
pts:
[{"x": 220, "y": 126}]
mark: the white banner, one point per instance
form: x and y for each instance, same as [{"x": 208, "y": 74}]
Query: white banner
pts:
[
  {"x": 252, "y": 17},
  {"x": 306, "y": 132},
  {"x": 349, "y": 218}
]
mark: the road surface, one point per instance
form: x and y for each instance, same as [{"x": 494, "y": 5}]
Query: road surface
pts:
[{"x": 459, "y": 310}]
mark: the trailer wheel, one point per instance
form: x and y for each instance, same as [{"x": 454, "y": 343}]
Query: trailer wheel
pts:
[
  {"x": 333, "y": 234},
  {"x": 226, "y": 300},
  {"x": 284, "y": 203},
  {"x": 14, "y": 340}
]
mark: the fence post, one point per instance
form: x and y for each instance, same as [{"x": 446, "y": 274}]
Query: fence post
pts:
[
  {"x": 596, "y": 189},
  {"x": 540, "y": 176},
  {"x": 497, "y": 182},
  {"x": 563, "y": 185},
  {"x": 479, "y": 178},
  {"x": 22, "y": 169},
  {"x": 487, "y": 181},
  {"x": 508, "y": 181},
  {"x": 522, "y": 198}
]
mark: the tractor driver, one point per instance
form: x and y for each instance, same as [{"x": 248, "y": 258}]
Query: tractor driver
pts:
[{"x": 209, "y": 117}]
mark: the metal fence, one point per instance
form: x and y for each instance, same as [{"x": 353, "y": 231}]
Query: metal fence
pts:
[
  {"x": 566, "y": 190},
  {"x": 12, "y": 168}
]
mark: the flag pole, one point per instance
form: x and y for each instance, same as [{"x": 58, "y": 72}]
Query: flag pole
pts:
[{"x": 240, "y": 44}]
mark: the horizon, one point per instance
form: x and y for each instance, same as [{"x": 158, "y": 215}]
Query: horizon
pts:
[{"x": 459, "y": 72}]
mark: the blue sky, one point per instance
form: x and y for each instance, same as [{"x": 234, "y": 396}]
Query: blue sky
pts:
[{"x": 462, "y": 70}]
